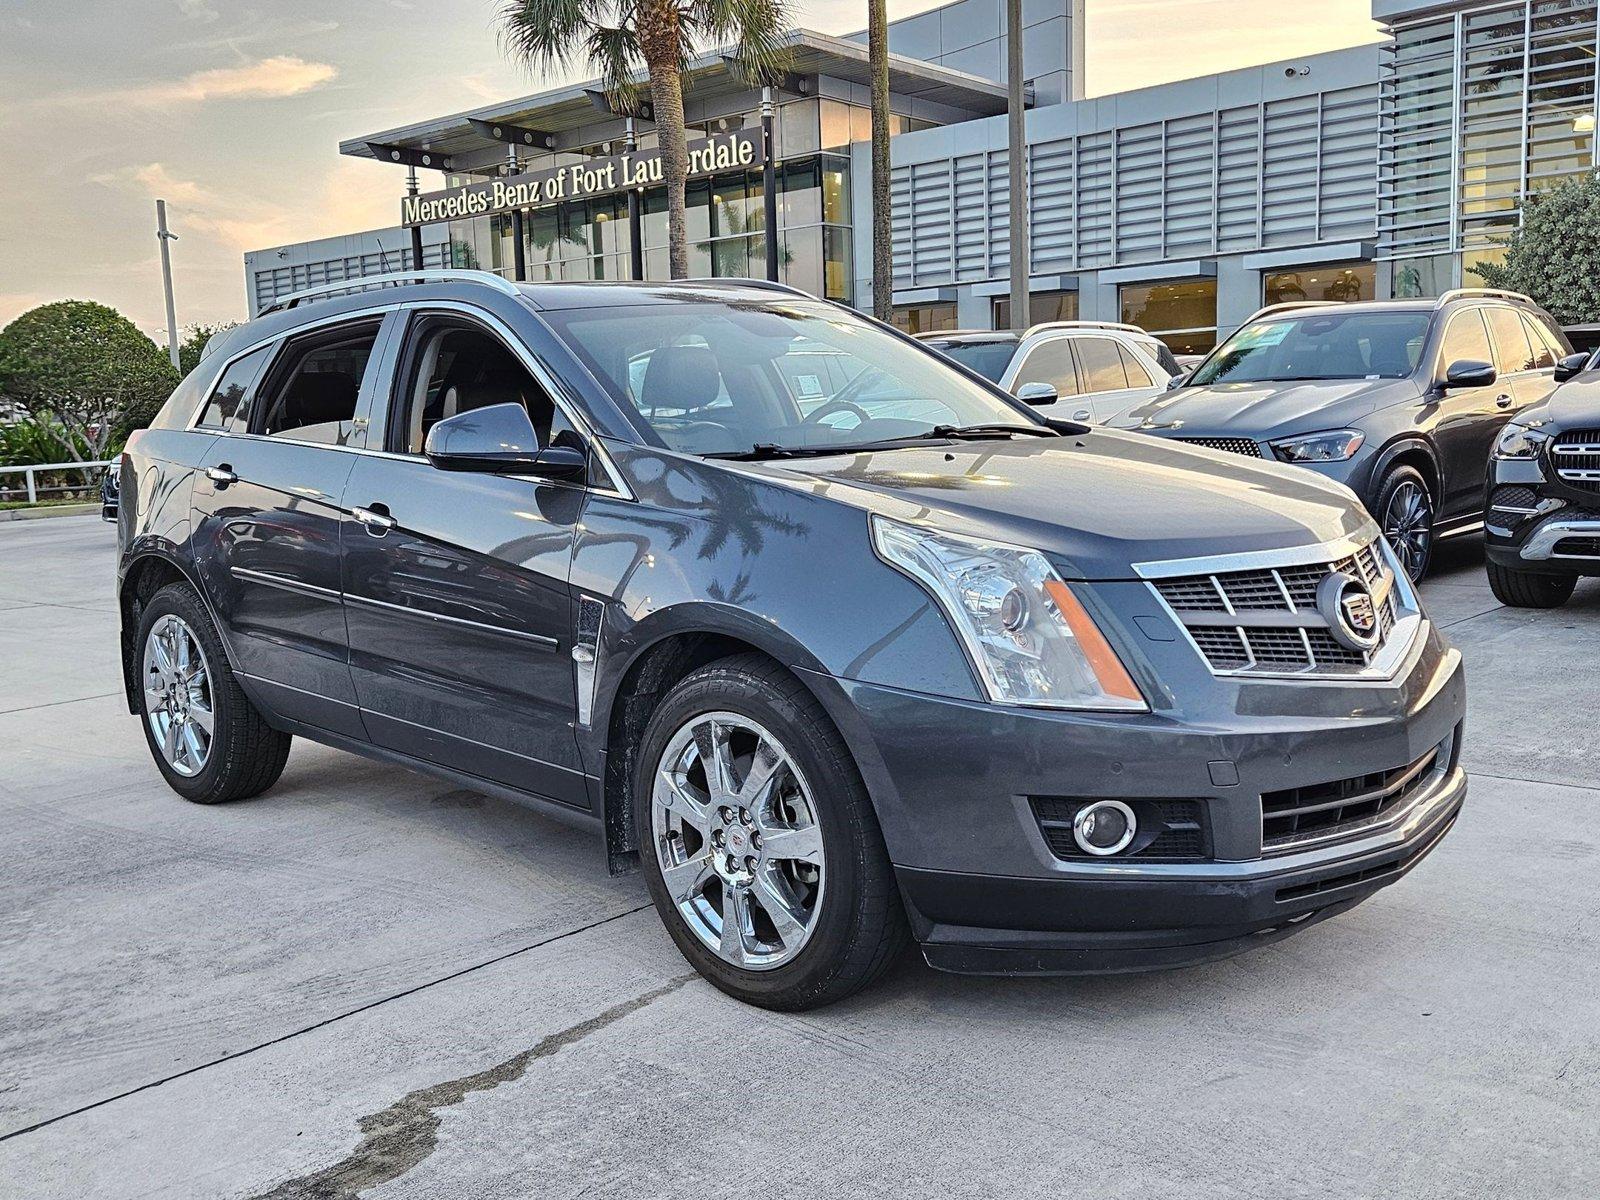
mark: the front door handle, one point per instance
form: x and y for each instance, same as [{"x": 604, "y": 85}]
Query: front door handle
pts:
[
  {"x": 221, "y": 475},
  {"x": 1502, "y": 401},
  {"x": 376, "y": 519},
  {"x": 1083, "y": 414}
]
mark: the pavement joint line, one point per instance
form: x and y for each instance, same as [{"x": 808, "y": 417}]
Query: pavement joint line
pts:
[
  {"x": 58, "y": 703},
  {"x": 322, "y": 1024},
  {"x": 1556, "y": 783},
  {"x": 1473, "y": 617}
]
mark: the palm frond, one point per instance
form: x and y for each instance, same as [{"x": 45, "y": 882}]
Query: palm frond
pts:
[
  {"x": 549, "y": 34},
  {"x": 614, "y": 52},
  {"x": 755, "y": 31}
]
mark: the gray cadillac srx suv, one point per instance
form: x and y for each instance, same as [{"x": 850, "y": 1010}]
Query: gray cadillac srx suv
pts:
[{"x": 838, "y": 658}]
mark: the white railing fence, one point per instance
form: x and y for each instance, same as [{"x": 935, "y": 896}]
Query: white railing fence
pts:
[{"x": 34, "y": 489}]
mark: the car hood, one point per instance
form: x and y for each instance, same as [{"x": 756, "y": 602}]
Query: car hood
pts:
[
  {"x": 1098, "y": 502},
  {"x": 1263, "y": 410},
  {"x": 1573, "y": 405}
]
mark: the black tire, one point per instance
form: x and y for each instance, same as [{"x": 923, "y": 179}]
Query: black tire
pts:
[
  {"x": 859, "y": 924},
  {"x": 1416, "y": 553},
  {"x": 1529, "y": 589},
  {"x": 246, "y": 755}
]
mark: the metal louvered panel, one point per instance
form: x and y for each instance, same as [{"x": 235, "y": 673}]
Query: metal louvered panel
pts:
[
  {"x": 971, "y": 216},
  {"x": 1050, "y": 187}
]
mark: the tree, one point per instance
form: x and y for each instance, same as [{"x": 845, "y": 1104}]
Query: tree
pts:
[
  {"x": 193, "y": 345},
  {"x": 618, "y": 37},
  {"x": 86, "y": 368},
  {"x": 1554, "y": 255},
  {"x": 882, "y": 231}
]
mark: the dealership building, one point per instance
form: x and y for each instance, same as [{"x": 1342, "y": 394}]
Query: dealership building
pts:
[{"x": 1374, "y": 171}]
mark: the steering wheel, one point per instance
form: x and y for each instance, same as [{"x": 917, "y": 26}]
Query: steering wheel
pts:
[{"x": 817, "y": 415}]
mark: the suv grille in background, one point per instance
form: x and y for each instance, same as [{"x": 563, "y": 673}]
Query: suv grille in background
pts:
[
  {"x": 1231, "y": 445},
  {"x": 1301, "y": 642},
  {"x": 1576, "y": 458},
  {"x": 1346, "y": 807},
  {"x": 1179, "y": 826}
]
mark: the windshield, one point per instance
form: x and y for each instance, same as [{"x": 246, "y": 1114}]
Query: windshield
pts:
[
  {"x": 989, "y": 359},
  {"x": 732, "y": 377},
  {"x": 1321, "y": 344}
]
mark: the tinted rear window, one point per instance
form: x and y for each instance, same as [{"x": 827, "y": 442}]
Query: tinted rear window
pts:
[{"x": 989, "y": 359}]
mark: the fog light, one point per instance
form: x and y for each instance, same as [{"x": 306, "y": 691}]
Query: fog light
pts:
[{"x": 1105, "y": 827}]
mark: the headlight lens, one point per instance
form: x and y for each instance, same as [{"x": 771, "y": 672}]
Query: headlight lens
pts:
[
  {"x": 1029, "y": 635},
  {"x": 1518, "y": 441},
  {"x": 1334, "y": 446}
]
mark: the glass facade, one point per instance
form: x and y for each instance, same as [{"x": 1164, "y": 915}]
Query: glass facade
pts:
[
  {"x": 1341, "y": 282},
  {"x": 938, "y": 317},
  {"x": 1182, "y": 313},
  {"x": 1481, "y": 107},
  {"x": 1042, "y": 307}
]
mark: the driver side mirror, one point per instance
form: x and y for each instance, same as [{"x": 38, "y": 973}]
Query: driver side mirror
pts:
[
  {"x": 1469, "y": 373},
  {"x": 1571, "y": 365},
  {"x": 499, "y": 440},
  {"x": 1038, "y": 394}
]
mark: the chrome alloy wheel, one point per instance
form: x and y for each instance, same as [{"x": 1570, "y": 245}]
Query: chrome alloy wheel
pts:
[
  {"x": 1408, "y": 525},
  {"x": 737, "y": 840},
  {"x": 177, "y": 695}
]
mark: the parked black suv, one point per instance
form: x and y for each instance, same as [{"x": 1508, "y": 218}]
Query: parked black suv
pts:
[
  {"x": 1542, "y": 517},
  {"x": 1399, "y": 400},
  {"x": 831, "y": 669}
]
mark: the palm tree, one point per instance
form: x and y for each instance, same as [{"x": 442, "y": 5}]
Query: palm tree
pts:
[
  {"x": 619, "y": 37},
  {"x": 882, "y": 235}
]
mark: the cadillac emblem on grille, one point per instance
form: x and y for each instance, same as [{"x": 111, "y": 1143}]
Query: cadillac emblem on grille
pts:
[{"x": 1347, "y": 606}]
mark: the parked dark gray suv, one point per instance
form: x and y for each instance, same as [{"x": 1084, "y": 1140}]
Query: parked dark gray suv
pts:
[
  {"x": 831, "y": 668},
  {"x": 1400, "y": 400}
]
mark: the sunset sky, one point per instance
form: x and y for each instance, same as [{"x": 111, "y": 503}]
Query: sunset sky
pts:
[{"x": 232, "y": 112}]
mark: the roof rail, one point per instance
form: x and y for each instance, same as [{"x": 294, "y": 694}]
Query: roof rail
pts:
[
  {"x": 1123, "y": 326},
  {"x": 392, "y": 279},
  {"x": 1471, "y": 293},
  {"x": 1288, "y": 305},
  {"x": 770, "y": 285}
]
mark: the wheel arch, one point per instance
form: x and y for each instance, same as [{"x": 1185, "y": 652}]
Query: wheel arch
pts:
[
  {"x": 1412, "y": 452},
  {"x": 145, "y": 574}
]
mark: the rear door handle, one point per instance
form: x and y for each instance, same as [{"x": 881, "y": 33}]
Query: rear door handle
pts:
[
  {"x": 376, "y": 519},
  {"x": 1502, "y": 401},
  {"x": 221, "y": 475}
]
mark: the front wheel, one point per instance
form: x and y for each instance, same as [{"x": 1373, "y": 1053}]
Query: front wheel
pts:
[
  {"x": 1529, "y": 589},
  {"x": 759, "y": 843},
  {"x": 1405, "y": 513}
]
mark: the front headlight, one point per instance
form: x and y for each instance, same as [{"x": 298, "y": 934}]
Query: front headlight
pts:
[
  {"x": 1029, "y": 636},
  {"x": 1518, "y": 441},
  {"x": 1334, "y": 446}
]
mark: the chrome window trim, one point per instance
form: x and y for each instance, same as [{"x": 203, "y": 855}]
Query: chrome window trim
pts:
[{"x": 1386, "y": 664}]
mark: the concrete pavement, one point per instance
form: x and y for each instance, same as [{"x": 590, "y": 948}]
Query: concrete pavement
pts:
[{"x": 367, "y": 982}]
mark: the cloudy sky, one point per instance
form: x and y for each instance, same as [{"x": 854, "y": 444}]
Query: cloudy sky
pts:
[{"x": 232, "y": 112}]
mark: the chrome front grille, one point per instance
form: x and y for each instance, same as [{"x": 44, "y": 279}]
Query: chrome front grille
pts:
[
  {"x": 1576, "y": 458},
  {"x": 1265, "y": 620},
  {"x": 1233, "y": 445}
]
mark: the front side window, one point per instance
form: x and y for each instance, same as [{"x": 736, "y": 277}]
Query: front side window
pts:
[
  {"x": 228, "y": 408},
  {"x": 732, "y": 377},
  {"x": 1465, "y": 340},
  {"x": 453, "y": 366},
  {"x": 1050, "y": 362},
  {"x": 1319, "y": 344},
  {"x": 1512, "y": 352},
  {"x": 311, "y": 394}
]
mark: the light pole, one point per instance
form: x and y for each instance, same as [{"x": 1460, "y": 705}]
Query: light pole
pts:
[
  {"x": 164, "y": 236},
  {"x": 1016, "y": 158}
]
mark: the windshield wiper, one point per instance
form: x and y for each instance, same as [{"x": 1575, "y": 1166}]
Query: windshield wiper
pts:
[
  {"x": 941, "y": 433},
  {"x": 763, "y": 451}
]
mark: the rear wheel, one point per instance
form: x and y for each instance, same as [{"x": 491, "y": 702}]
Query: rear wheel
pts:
[
  {"x": 209, "y": 742},
  {"x": 1529, "y": 589},
  {"x": 1405, "y": 512},
  {"x": 759, "y": 843}
]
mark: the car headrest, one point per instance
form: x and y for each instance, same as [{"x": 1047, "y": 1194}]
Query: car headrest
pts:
[
  {"x": 685, "y": 377},
  {"x": 493, "y": 386},
  {"x": 320, "y": 397}
]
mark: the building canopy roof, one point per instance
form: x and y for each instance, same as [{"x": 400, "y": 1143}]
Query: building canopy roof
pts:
[{"x": 563, "y": 110}]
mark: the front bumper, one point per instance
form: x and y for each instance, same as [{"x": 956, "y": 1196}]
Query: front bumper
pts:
[
  {"x": 1533, "y": 524},
  {"x": 955, "y": 785}
]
